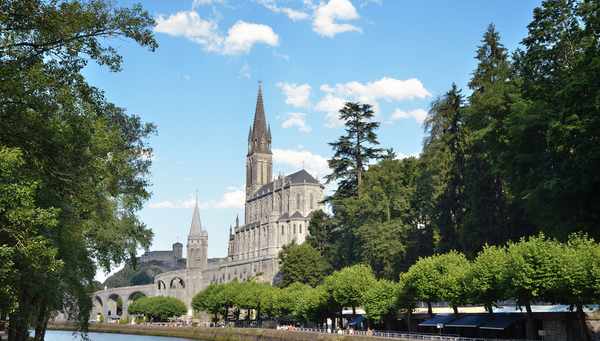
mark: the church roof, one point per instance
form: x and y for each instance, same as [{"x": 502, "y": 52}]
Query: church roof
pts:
[
  {"x": 196, "y": 228},
  {"x": 297, "y": 215},
  {"x": 259, "y": 131},
  {"x": 284, "y": 216},
  {"x": 294, "y": 178},
  {"x": 300, "y": 176}
]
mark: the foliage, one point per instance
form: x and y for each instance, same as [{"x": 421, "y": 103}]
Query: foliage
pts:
[
  {"x": 346, "y": 287},
  {"x": 162, "y": 307},
  {"x": 487, "y": 274},
  {"x": 302, "y": 264},
  {"x": 76, "y": 158},
  {"x": 380, "y": 301}
]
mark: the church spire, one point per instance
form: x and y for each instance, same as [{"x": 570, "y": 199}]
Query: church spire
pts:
[
  {"x": 196, "y": 228},
  {"x": 259, "y": 138}
]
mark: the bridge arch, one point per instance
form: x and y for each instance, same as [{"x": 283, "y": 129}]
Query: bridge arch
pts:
[
  {"x": 161, "y": 285},
  {"x": 177, "y": 283}
]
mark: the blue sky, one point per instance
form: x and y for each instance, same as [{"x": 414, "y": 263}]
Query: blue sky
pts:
[{"x": 200, "y": 87}]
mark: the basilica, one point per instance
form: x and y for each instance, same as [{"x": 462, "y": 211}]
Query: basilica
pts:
[{"x": 277, "y": 211}]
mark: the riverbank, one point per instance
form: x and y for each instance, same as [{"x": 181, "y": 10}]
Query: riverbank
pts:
[{"x": 218, "y": 334}]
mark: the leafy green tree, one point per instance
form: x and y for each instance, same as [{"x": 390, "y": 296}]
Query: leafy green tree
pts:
[
  {"x": 389, "y": 214},
  {"x": 532, "y": 265},
  {"x": 325, "y": 237},
  {"x": 302, "y": 264},
  {"x": 82, "y": 169},
  {"x": 228, "y": 298},
  {"x": 452, "y": 286},
  {"x": 206, "y": 300},
  {"x": 312, "y": 306},
  {"x": 380, "y": 302},
  {"x": 406, "y": 300},
  {"x": 487, "y": 275},
  {"x": 554, "y": 128},
  {"x": 288, "y": 299},
  {"x": 422, "y": 280},
  {"x": 347, "y": 286},
  {"x": 577, "y": 276},
  {"x": 162, "y": 307}
]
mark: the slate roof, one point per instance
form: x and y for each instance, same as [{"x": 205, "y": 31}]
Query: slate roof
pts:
[
  {"x": 284, "y": 216},
  {"x": 294, "y": 178},
  {"x": 297, "y": 215}
]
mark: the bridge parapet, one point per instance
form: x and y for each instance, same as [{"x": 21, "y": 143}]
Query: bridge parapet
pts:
[
  {"x": 169, "y": 273},
  {"x": 134, "y": 287}
]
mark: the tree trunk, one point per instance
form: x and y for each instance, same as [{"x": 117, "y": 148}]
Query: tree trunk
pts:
[
  {"x": 40, "y": 326},
  {"x": 429, "y": 310},
  {"x": 531, "y": 332},
  {"x": 409, "y": 320},
  {"x": 581, "y": 315},
  {"x": 455, "y": 309},
  {"x": 490, "y": 308}
]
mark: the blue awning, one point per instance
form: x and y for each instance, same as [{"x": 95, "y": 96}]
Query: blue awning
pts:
[
  {"x": 502, "y": 321},
  {"x": 356, "y": 321},
  {"x": 470, "y": 321},
  {"x": 433, "y": 322}
]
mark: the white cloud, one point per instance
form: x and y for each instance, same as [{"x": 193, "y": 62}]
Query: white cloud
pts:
[
  {"x": 418, "y": 114},
  {"x": 401, "y": 156},
  {"x": 387, "y": 88},
  {"x": 186, "y": 179},
  {"x": 325, "y": 15},
  {"x": 207, "y": 2},
  {"x": 240, "y": 39},
  {"x": 235, "y": 198},
  {"x": 297, "y": 95},
  {"x": 243, "y": 35},
  {"x": 177, "y": 204},
  {"x": 332, "y": 105},
  {"x": 296, "y": 118},
  {"x": 292, "y": 14},
  {"x": 244, "y": 72},
  {"x": 314, "y": 164}
]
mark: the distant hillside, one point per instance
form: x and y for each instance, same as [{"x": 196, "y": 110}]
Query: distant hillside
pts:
[{"x": 143, "y": 274}]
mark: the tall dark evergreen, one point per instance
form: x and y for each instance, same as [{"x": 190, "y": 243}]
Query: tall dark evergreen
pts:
[
  {"x": 444, "y": 148},
  {"x": 354, "y": 150},
  {"x": 555, "y": 129}
]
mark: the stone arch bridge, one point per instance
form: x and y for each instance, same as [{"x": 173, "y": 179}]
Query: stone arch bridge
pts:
[{"x": 172, "y": 283}]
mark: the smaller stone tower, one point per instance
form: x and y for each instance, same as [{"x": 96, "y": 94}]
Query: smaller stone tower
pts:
[
  {"x": 197, "y": 246},
  {"x": 178, "y": 250}
]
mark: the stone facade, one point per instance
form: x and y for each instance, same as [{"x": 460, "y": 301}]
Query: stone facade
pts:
[{"x": 277, "y": 211}]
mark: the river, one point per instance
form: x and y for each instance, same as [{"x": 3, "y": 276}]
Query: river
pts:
[{"x": 61, "y": 335}]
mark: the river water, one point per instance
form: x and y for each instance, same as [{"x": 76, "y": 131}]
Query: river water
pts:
[{"x": 60, "y": 335}]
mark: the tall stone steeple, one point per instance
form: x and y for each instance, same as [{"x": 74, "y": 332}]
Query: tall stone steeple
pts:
[
  {"x": 259, "y": 161},
  {"x": 197, "y": 246}
]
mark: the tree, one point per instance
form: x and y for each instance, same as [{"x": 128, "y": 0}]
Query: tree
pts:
[
  {"x": 302, "y": 264},
  {"x": 347, "y": 286},
  {"x": 532, "y": 265},
  {"x": 452, "y": 286},
  {"x": 206, "y": 300},
  {"x": 445, "y": 149},
  {"x": 83, "y": 164},
  {"x": 380, "y": 303},
  {"x": 288, "y": 299},
  {"x": 353, "y": 151},
  {"x": 422, "y": 280},
  {"x": 577, "y": 276},
  {"x": 555, "y": 126},
  {"x": 159, "y": 307},
  {"x": 487, "y": 275},
  {"x": 388, "y": 217}
]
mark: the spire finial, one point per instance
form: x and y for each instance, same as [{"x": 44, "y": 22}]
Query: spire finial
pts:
[
  {"x": 259, "y": 79},
  {"x": 302, "y": 164},
  {"x": 196, "y": 195}
]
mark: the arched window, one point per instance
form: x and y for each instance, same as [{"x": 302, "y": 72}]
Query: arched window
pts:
[
  {"x": 300, "y": 228},
  {"x": 297, "y": 201},
  {"x": 311, "y": 201},
  {"x": 282, "y": 230},
  {"x": 294, "y": 228}
]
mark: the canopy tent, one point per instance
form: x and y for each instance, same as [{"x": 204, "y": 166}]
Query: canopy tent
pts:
[
  {"x": 470, "y": 321},
  {"x": 356, "y": 321},
  {"x": 439, "y": 318},
  {"x": 502, "y": 321}
]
